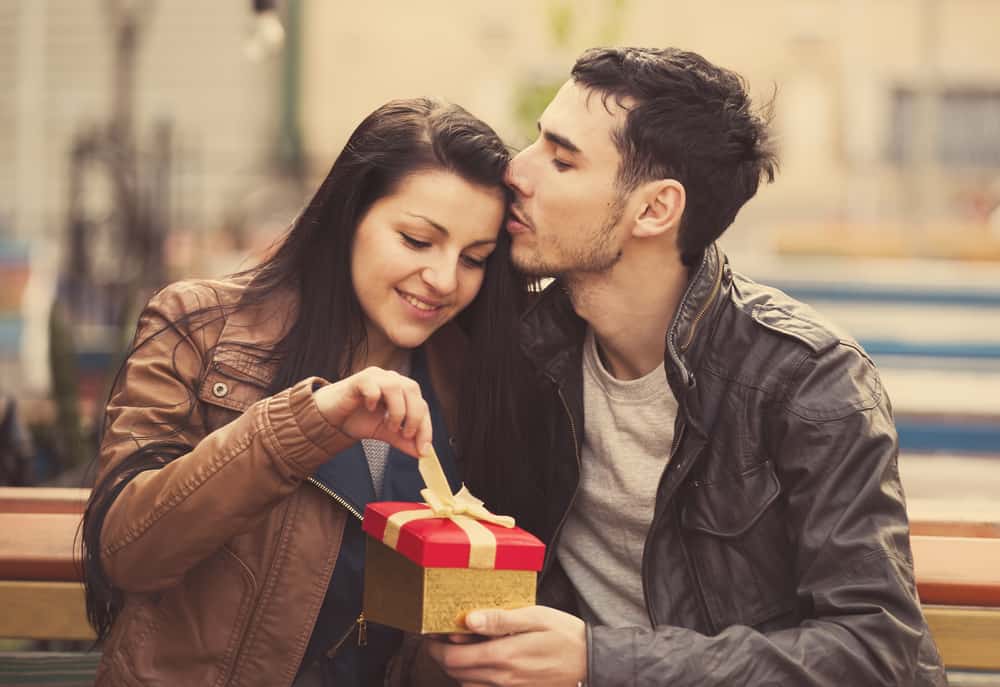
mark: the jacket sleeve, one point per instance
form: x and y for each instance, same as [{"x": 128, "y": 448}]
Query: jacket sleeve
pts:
[
  {"x": 835, "y": 446},
  {"x": 166, "y": 520}
]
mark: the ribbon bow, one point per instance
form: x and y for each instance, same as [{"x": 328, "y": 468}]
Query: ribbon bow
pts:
[
  {"x": 438, "y": 495},
  {"x": 463, "y": 509}
]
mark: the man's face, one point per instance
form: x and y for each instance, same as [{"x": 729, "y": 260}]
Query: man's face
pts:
[{"x": 567, "y": 212}]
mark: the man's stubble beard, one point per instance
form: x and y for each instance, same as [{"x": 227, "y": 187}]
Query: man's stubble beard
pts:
[{"x": 600, "y": 256}]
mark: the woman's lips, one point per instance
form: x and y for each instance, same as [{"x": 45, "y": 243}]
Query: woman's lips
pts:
[{"x": 418, "y": 306}]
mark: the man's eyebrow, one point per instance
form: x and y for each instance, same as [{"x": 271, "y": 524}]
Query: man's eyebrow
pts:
[
  {"x": 444, "y": 231},
  {"x": 558, "y": 140}
]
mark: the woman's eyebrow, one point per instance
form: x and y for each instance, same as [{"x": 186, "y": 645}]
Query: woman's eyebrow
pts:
[
  {"x": 431, "y": 222},
  {"x": 445, "y": 231}
]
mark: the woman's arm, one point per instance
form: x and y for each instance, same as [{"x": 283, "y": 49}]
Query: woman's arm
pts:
[{"x": 166, "y": 520}]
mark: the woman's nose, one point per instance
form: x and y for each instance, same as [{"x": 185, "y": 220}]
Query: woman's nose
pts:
[{"x": 442, "y": 276}]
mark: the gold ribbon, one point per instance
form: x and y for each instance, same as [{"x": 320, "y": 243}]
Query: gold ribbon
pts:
[{"x": 462, "y": 508}]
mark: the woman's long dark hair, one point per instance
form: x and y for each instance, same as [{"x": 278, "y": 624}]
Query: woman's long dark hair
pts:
[{"x": 327, "y": 337}]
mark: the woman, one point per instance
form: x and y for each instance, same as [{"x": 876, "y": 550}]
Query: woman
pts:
[{"x": 222, "y": 543}]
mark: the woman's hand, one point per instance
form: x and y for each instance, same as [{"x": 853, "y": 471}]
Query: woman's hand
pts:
[{"x": 379, "y": 404}]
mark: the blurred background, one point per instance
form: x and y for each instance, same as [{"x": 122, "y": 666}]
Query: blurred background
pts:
[{"x": 143, "y": 141}]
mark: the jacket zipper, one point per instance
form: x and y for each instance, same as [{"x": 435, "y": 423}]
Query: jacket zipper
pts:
[
  {"x": 645, "y": 567},
  {"x": 693, "y": 570},
  {"x": 576, "y": 489},
  {"x": 360, "y": 623},
  {"x": 701, "y": 313},
  {"x": 335, "y": 496},
  {"x": 673, "y": 454}
]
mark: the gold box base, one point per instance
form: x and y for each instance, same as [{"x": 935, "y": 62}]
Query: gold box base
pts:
[{"x": 402, "y": 594}]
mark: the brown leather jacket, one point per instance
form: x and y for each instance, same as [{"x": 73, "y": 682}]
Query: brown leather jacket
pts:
[{"x": 225, "y": 553}]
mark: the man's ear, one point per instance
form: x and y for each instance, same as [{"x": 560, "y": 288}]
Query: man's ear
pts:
[{"x": 661, "y": 209}]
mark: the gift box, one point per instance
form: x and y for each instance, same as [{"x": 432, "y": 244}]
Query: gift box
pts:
[{"x": 428, "y": 564}]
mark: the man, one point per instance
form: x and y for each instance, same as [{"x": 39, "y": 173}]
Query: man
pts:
[{"x": 719, "y": 485}]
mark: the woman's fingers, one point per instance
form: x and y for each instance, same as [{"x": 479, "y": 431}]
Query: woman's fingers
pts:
[
  {"x": 370, "y": 392},
  {"x": 394, "y": 398},
  {"x": 394, "y": 409},
  {"x": 424, "y": 435}
]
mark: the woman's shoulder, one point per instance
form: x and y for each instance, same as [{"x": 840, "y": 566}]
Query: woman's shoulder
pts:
[{"x": 184, "y": 298}]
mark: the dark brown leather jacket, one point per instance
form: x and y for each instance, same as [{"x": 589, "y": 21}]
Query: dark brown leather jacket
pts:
[
  {"x": 224, "y": 554},
  {"x": 779, "y": 551}
]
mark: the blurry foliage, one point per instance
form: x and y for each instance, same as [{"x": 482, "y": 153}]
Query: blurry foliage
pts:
[
  {"x": 568, "y": 37},
  {"x": 68, "y": 432},
  {"x": 560, "y": 15},
  {"x": 529, "y": 101}
]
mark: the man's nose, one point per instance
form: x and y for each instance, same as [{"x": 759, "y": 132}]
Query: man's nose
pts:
[{"x": 515, "y": 177}]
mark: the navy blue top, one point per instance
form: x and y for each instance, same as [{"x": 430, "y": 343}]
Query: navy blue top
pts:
[{"x": 348, "y": 476}]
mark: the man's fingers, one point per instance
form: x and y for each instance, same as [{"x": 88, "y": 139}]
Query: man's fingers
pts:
[
  {"x": 498, "y": 622},
  {"x": 466, "y": 662}
]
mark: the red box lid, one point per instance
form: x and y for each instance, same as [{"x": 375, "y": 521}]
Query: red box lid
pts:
[{"x": 440, "y": 543}]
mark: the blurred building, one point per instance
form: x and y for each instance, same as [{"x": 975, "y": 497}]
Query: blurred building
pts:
[
  {"x": 197, "y": 104},
  {"x": 887, "y": 112}
]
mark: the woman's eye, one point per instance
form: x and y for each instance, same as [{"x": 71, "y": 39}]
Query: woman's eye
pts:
[
  {"x": 560, "y": 165},
  {"x": 414, "y": 243},
  {"x": 474, "y": 262}
]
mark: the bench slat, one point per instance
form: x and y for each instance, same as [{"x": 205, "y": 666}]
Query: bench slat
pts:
[
  {"x": 36, "y": 546},
  {"x": 967, "y": 637},
  {"x": 43, "y": 500},
  {"x": 957, "y": 570},
  {"x": 43, "y": 610}
]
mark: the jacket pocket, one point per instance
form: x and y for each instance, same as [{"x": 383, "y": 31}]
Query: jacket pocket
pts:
[
  {"x": 190, "y": 633},
  {"x": 224, "y": 395},
  {"x": 739, "y": 549}
]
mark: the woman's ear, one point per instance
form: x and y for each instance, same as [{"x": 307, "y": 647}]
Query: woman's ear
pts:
[{"x": 662, "y": 210}]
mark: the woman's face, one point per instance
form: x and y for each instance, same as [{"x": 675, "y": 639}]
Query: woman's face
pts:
[{"x": 419, "y": 255}]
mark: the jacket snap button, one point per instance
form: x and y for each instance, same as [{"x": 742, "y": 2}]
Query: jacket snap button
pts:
[{"x": 220, "y": 389}]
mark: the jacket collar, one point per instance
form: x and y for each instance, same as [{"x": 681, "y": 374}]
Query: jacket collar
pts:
[
  {"x": 692, "y": 323},
  {"x": 552, "y": 332}
]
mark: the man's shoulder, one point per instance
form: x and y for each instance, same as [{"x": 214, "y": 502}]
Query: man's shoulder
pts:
[
  {"x": 822, "y": 370},
  {"x": 770, "y": 311}
]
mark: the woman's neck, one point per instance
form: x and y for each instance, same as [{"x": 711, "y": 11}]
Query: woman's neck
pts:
[{"x": 388, "y": 357}]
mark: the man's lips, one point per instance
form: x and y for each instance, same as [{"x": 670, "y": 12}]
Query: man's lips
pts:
[{"x": 516, "y": 224}]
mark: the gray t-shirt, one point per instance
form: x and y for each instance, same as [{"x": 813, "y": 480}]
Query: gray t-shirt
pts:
[{"x": 628, "y": 432}]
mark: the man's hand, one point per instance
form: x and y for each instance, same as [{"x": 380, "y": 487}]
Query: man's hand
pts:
[{"x": 536, "y": 646}]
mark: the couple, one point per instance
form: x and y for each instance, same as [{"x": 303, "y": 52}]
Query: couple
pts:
[{"x": 712, "y": 467}]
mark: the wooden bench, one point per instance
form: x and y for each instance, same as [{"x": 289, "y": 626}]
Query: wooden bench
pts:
[
  {"x": 39, "y": 580},
  {"x": 957, "y": 566}
]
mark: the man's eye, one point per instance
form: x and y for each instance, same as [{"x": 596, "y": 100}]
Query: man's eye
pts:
[
  {"x": 414, "y": 243},
  {"x": 560, "y": 165}
]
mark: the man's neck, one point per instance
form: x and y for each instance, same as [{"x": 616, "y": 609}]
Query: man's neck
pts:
[{"x": 630, "y": 308}]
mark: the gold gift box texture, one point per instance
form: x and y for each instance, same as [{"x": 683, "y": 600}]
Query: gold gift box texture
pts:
[{"x": 425, "y": 585}]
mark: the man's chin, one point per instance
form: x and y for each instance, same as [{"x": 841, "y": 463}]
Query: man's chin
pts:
[{"x": 531, "y": 265}]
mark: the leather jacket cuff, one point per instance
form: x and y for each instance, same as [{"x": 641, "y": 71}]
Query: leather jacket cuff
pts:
[{"x": 303, "y": 435}]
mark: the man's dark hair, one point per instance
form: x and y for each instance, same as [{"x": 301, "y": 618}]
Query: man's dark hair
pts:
[{"x": 691, "y": 121}]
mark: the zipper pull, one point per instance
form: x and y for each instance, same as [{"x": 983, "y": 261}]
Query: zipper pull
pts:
[{"x": 362, "y": 630}]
